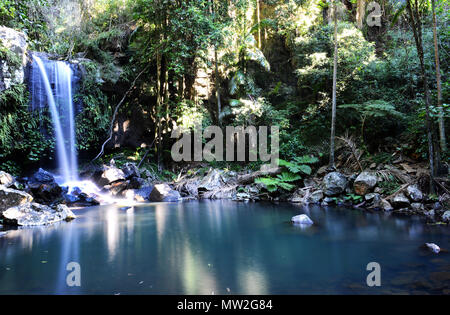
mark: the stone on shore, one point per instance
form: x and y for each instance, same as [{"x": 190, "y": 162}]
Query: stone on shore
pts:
[
  {"x": 335, "y": 184},
  {"x": 111, "y": 174},
  {"x": 365, "y": 183},
  {"x": 33, "y": 214},
  {"x": 315, "y": 197},
  {"x": 414, "y": 193},
  {"x": 400, "y": 201},
  {"x": 446, "y": 217},
  {"x": 6, "y": 179},
  {"x": 12, "y": 198},
  {"x": 163, "y": 193}
]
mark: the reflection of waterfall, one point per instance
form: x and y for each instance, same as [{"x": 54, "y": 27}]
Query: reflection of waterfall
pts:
[{"x": 58, "y": 92}]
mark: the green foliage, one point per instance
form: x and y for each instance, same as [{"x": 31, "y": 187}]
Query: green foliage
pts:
[
  {"x": 93, "y": 122},
  {"x": 282, "y": 181},
  {"x": 21, "y": 142},
  {"x": 294, "y": 171}
]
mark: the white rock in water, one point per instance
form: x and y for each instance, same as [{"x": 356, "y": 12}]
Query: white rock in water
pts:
[
  {"x": 434, "y": 248},
  {"x": 302, "y": 219}
]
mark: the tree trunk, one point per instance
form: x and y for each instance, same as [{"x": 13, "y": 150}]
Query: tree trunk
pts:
[
  {"x": 335, "y": 68},
  {"x": 417, "y": 30},
  {"x": 360, "y": 13},
  {"x": 258, "y": 17},
  {"x": 442, "y": 137}
]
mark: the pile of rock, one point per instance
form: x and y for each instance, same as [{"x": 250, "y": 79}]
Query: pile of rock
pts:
[
  {"x": 129, "y": 182},
  {"x": 335, "y": 186},
  {"x": 19, "y": 207}
]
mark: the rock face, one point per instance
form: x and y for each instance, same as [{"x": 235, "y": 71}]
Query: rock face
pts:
[
  {"x": 365, "y": 183},
  {"x": 16, "y": 43},
  {"x": 163, "y": 193},
  {"x": 400, "y": 201},
  {"x": 302, "y": 219},
  {"x": 33, "y": 214},
  {"x": 12, "y": 198},
  {"x": 414, "y": 193},
  {"x": 335, "y": 184}
]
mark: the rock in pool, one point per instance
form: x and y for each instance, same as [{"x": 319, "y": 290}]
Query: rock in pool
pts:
[
  {"x": 302, "y": 219},
  {"x": 433, "y": 247}
]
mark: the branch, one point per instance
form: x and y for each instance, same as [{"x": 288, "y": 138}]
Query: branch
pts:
[{"x": 116, "y": 111}]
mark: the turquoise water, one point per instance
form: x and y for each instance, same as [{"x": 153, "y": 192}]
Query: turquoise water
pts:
[{"x": 223, "y": 247}]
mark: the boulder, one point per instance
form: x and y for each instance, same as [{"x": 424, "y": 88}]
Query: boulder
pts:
[
  {"x": 12, "y": 198},
  {"x": 418, "y": 207},
  {"x": 374, "y": 199},
  {"x": 16, "y": 43},
  {"x": 446, "y": 217},
  {"x": 139, "y": 195},
  {"x": 116, "y": 188},
  {"x": 400, "y": 201},
  {"x": 386, "y": 206},
  {"x": 315, "y": 197},
  {"x": 46, "y": 193},
  {"x": 433, "y": 247},
  {"x": 111, "y": 174},
  {"x": 33, "y": 214},
  {"x": 163, "y": 193},
  {"x": 335, "y": 184},
  {"x": 6, "y": 179},
  {"x": 130, "y": 170},
  {"x": 137, "y": 183},
  {"x": 365, "y": 183},
  {"x": 302, "y": 219},
  {"x": 414, "y": 193},
  {"x": 212, "y": 181},
  {"x": 41, "y": 177}
]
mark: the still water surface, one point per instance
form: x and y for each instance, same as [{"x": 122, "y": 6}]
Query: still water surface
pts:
[{"x": 223, "y": 247}]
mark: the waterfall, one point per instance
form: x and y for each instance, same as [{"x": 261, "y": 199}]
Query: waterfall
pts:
[{"x": 58, "y": 93}]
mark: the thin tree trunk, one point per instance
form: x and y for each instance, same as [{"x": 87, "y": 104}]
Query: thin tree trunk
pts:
[
  {"x": 417, "y": 30},
  {"x": 335, "y": 68},
  {"x": 442, "y": 137},
  {"x": 217, "y": 83},
  {"x": 258, "y": 17}
]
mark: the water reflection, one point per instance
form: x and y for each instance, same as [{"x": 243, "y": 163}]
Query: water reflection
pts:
[{"x": 219, "y": 248}]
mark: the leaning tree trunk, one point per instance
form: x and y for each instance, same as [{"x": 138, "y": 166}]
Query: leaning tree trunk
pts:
[
  {"x": 442, "y": 137},
  {"x": 335, "y": 68},
  {"x": 417, "y": 30}
]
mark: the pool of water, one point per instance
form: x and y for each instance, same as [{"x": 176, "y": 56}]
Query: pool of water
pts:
[{"x": 223, "y": 247}]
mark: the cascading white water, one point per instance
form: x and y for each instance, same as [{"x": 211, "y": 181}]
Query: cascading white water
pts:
[
  {"x": 51, "y": 85},
  {"x": 60, "y": 102}
]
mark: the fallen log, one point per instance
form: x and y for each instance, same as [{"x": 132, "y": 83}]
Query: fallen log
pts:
[{"x": 250, "y": 178}]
